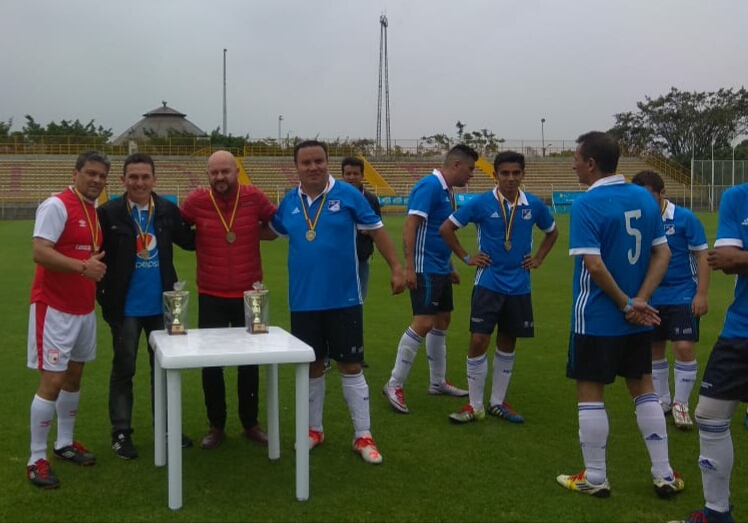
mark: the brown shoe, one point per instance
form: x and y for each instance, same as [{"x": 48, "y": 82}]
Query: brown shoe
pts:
[
  {"x": 213, "y": 438},
  {"x": 256, "y": 434}
]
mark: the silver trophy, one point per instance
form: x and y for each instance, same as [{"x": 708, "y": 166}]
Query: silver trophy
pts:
[
  {"x": 176, "y": 310},
  {"x": 257, "y": 309}
]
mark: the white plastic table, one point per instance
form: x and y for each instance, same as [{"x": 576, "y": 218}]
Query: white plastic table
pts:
[{"x": 218, "y": 348}]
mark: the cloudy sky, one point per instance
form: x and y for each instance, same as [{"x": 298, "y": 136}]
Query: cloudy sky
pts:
[{"x": 496, "y": 64}]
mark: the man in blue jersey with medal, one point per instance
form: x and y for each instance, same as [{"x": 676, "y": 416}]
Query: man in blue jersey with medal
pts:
[
  {"x": 620, "y": 256},
  {"x": 504, "y": 218},
  {"x": 320, "y": 219},
  {"x": 680, "y": 300}
]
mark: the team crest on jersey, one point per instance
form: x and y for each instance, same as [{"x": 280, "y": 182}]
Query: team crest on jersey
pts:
[
  {"x": 669, "y": 229},
  {"x": 527, "y": 214},
  {"x": 53, "y": 355},
  {"x": 333, "y": 205}
]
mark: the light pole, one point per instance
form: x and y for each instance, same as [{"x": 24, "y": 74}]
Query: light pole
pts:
[
  {"x": 542, "y": 134},
  {"x": 280, "y": 119}
]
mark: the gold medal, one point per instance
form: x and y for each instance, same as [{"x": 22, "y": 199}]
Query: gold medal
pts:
[
  {"x": 230, "y": 237},
  {"x": 310, "y": 236},
  {"x": 311, "y": 224},
  {"x": 508, "y": 245},
  {"x": 508, "y": 223},
  {"x": 144, "y": 254}
]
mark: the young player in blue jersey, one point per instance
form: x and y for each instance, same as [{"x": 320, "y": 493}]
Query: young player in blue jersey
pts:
[
  {"x": 725, "y": 380},
  {"x": 621, "y": 254},
  {"x": 429, "y": 275},
  {"x": 504, "y": 218},
  {"x": 320, "y": 220},
  {"x": 680, "y": 300}
]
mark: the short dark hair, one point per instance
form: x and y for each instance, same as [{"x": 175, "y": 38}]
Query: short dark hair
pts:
[
  {"x": 649, "y": 179},
  {"x": 353, "y": 162},
  {"x": 509, "y": 157},
  {"x": 461, "y": 152},
  {"x": 92, "y": 156},
  {"x": 139, "y": 158},
  {"x": 308, "y": 143},
  {"x": 603, "y": 148}
]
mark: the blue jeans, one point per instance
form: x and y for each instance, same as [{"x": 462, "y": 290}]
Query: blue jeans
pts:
[{"x": 125, "y": 342}]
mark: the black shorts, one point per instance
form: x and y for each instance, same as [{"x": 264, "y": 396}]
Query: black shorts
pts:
[
  {"x": 726, "y": 373},
  {"x": 602, "y": 358},
  {"x": 677, "y": 323},
  {"x": 433, "y": 294},
  {"x": 512, "y": 314},
  {"x": 335, "y": 333}
]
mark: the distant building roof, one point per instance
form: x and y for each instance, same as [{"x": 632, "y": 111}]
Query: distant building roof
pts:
[{"x": 160, "y": 121}]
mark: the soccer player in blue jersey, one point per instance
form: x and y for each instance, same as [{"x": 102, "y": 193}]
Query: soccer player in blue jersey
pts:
[
  {"x": 725, "y": 380},
  {"x": 680, "y": 300},
  {"x": 504, "y": 218},
  {"x": 621, "y": 254},
  {"x": 320, "y": 220},
  {"x": 429, "y": 275}
]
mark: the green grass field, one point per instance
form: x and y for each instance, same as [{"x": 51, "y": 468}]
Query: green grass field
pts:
[{"x": 433, "y": 471}]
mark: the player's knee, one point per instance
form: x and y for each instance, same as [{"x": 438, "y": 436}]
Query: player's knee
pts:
[{"x": 713, "y": 410}]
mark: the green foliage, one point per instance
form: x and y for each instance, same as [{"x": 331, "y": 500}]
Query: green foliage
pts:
[{"x": 5, "y": 127}]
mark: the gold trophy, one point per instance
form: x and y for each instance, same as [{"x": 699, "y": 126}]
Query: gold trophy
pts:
[
  {"x": 257, "y": 309},
  {"x": 176, "y": 309}
]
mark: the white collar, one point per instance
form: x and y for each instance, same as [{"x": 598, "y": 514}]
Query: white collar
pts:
[
  {"x": 440, "y": 176},
  {"x": 140, "y": 208},
  {"x": 521, "y": 198},
  {"x": 328, "y": 188},
  {"x": 613, "y": 179},
  {"x": 669, "y": 211}
]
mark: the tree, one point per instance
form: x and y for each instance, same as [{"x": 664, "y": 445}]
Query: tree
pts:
[
  {"x": 5, "y": 128},
  {"x": 460, "y": 128},
  {"x": 65, "y": 132}
]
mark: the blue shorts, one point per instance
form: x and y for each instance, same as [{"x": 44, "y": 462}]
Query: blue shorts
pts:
[
  {"x": 433, "y": 294},
  {"x": 335, "y": 333},
  {"x": 512, "y": 314},
  {"x": 726, "y": 372},
  {"x": 677, "y": 323},
  {"x": 602, "y": 358}
]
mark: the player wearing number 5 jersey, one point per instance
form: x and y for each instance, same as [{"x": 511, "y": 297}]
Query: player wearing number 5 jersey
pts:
[{"x": 621, "y": 254}]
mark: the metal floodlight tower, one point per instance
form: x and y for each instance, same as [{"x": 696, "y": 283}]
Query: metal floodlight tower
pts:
[
  {"x": 383, "y": 68},
  {"x": 224, "y": 93}
]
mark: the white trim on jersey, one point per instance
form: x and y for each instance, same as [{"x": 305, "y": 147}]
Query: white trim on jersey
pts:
[{"x": 581, "y": 304}]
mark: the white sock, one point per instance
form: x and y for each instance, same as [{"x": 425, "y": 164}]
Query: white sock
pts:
[
  {"x": 593, "y": 438},
  {"x": 503, "y": 363},
  {"x": 716, "y": 457},
  {"x": 651, "y": 421},
  {"x": 436, "y": 349},
  {"x": 477, "y": 369},
  {"x": 660, "y": 377},
  {"x": 685, "y": 378},
  {"x": 67, "y": 409},
  {"x": 42, "y": 414},
  {"x": 406, "y": 354},
  {"x": 316, "y": 402},
  {"x": 356, "y": 394}
]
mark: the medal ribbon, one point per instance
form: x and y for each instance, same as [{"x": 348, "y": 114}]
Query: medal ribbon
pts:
[
  {"x": 142, "y": 233},
  {"x": 309, "y": 223},
  {"x": 510, "y": 223},
  {"x": 452, "y": 200},
  {"x": 663, "y": 207},
  {"x": 220, "y": 214},
  {"x": 93, "y": 226}
]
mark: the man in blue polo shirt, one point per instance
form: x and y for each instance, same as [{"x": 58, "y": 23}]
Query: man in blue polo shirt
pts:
[
  {"x": 504, "y": 218},
  {"x": 725, "y": 380},
  {"x": 680, "y": 300},
  {"x": 320, "y": 220},
  {"x": 429, "y": 275},
  {"x": 621, "y": 254}
]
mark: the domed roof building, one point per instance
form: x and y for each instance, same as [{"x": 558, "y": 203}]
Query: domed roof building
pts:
[{"x": 160, "y": 122}]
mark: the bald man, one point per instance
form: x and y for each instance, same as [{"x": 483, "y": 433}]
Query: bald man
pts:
[{"x": 228, "y": 218}]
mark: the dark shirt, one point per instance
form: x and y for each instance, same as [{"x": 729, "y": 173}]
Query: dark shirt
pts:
[{"x": 364, "y": 242}]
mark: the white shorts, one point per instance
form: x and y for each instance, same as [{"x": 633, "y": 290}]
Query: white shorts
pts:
[{"x": 58, "y": 337}]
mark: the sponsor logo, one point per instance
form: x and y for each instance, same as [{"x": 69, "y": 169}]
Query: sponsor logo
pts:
[
  {"x": 653, "y": 437},
  {"x": 706, "y": 385},
  {"x": 82, "y": 224},
  {"x": 527, "y": 214},
  {"x": 82, "y": 247},
  {"x": 476, "y": 320},
  {"x": 495, "y": 215},
  {"x": 295, "y": 211},
  {"x": 150, "y": 264},
  {"x": 705, "y": 464},
  {"x": 745, "y": 222},
  {"x": 333, "y": 205},
  {"x": 53, "y": 355}
]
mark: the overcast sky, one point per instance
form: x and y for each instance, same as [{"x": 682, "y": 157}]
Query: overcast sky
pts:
[{"x": 496, "y": 64}]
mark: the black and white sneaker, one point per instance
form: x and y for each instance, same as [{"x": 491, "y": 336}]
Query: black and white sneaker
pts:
[{"x": 122, "y": 446}]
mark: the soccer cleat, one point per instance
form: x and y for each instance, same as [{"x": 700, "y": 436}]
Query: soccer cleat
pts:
[
  {"x": 681, "y": 417},
  {"x": 467, "y": 414},
  {"x": 504, "y": 411},
  {"x": 446, "y": 389},
  {"x": 707, "y": 515},
  {"x": 396, "y": 398},
  {"x": 40, "y": 475},
  {"x": 668, "y": 486},
  {"x": 315, "y": 438},
  {"x": 366, "y": 447},
  {"x": 76, "y": 453},
  {"x": 579, "y": 483},
  {"x": 122, "y": 446},
  {"x": 667, "y": 409}
]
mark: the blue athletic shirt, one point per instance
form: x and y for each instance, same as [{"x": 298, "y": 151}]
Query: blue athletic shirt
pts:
[
  {"x": 732, "y": 231},
  {"x": 505, "y": 275},
  {"x": 620, "y": 222},
  {"x": 685, "y": 236},
  {"x": 323, "y": 273},
  {"x": 432, "y": 200},
  {"x": 144, "y": 293}
]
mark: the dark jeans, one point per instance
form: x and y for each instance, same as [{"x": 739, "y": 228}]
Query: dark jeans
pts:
[
  {"x": 125, "y": 342},
  {"x": 216, "y": 312}
]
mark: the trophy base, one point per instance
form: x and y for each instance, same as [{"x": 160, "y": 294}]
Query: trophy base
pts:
[
  {"x": 176, "y": 329},
  {"x": 258, "y": 328}
]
